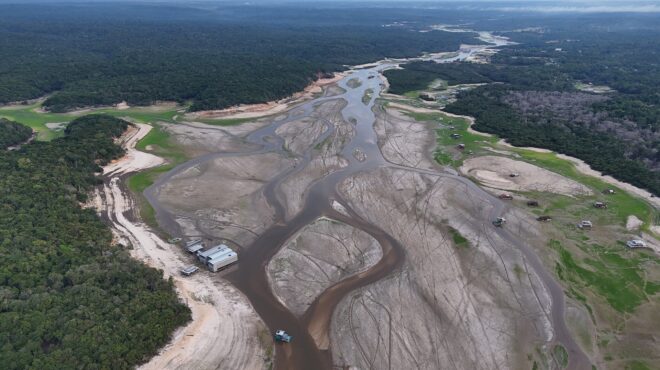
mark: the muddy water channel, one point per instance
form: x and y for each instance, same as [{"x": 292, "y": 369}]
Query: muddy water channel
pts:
[{"x": 361, "y": 153}]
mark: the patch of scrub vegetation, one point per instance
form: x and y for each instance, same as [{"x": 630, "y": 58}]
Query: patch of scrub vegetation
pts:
[
  {"x": 620, "y": 280},
  {"x": 458, "y": 239},
  {"x": 354, "y": 83},
  {"x": 560, "y": 356},
  {"x": 366, "y": 98},
  {"x": 447, "y": 152},
  {"x": 518, "y": 270},
  {"x": 637, "y": 365}
]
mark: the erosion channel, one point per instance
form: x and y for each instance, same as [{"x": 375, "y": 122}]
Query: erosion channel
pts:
[{"x": 324, "y": 159}]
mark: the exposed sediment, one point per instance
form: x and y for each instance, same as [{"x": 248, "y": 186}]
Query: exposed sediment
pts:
[
  {"x": 225, "y": 330},
  {"x": 320, "y": 255},
  {"x": 462, "y": 306}
]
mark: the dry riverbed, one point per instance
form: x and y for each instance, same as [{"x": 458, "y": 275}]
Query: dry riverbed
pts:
[
  {"x": 466, "y": 295},
  {"x": 225, "y": 331}
]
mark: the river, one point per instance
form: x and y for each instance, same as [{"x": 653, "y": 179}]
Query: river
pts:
[{"x": 250, "y": 275}]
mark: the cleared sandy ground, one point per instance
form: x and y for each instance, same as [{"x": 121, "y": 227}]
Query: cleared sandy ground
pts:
[
  {"x": 134, "y": 160},
  {"x": 494, "y": 172},
  {"x": 323, "y": 253},
  {"x": 224, "y": 331}
]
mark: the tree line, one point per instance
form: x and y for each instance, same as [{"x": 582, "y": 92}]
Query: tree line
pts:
[
  {"x": 69, "y": 296},
  {"x": 90, "y": 60},
  {"x": 12, "y": 133},
  {"x": 532, "y": 96}
]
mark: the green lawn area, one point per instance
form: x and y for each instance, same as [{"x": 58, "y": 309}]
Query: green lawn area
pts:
[
  {"x": 618, "y": 279},
  {"x": 29, "y": 116},
  {"x": 26, "y": 115}
]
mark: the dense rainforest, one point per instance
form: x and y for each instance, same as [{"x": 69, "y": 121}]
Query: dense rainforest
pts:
[
  {"x": 87, "y": 57},
  {"x": 537, "y": 93},
  {"x": 69, "y": 297},
  {"x": 12, "y": 133}
]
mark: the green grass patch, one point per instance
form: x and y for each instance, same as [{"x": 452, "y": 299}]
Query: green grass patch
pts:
[
  {"x": 30, "y": 115},
  {"x": 617, "y": 279},
  {"x": 637, "y": 365},
  {"x": 560, "y": 356},
  {"x": 138, "y": 182},
  {"x": 412, "y": 94},
  {"x": 446, "y": 152},
  {"x": 621, "y": 204},
  {"x": 458, "y": 239},
  {"x": 158, "y": 142}
]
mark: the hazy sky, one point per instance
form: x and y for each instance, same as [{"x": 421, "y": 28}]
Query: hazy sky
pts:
[{"x": 574, "y": 6}]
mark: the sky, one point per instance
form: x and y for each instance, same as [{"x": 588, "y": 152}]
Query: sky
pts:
[{"x": 574, "y": 6}]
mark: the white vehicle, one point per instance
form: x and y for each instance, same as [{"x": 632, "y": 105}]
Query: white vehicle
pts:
[
  {"x": 636, "y": 243},
  {"x": 585, "y": 224},
  {"x": 189, "y": 270}
]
